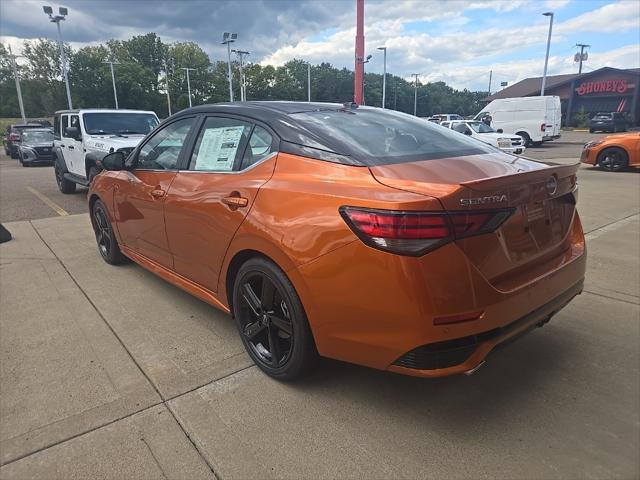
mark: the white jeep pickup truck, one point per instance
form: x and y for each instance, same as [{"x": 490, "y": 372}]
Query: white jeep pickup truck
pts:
[{"x": 83, "y": 137}]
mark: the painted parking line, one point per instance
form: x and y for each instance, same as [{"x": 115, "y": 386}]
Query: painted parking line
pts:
[{"x": 54, "y": 206}]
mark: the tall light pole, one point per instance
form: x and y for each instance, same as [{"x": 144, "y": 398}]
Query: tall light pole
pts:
[
  {"x": 490, "y": 78},
  {"x": 546, "y": 58},
  {"x": 113, "y": 80},
  {"x": 14, "y": 66},
  {"x": 186, "y": 69},
  {"x": 384, "y": 75},
  {"x": 358, "y": 76},
  {"x": 243, "y": 89},
  {"x": 582, "y": 56},
  {"x": 308, "y": 82},
  {"x": 415, "y": 94},
  {"x": 166, "y": 79},
  {"x": 366, "y": 60},
  {"x": 228, "y": 39},
  {"x": 62, "y": 12}
]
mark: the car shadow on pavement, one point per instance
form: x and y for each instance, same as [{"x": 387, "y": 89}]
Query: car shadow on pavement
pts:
[{"x": 497, "y": 390}]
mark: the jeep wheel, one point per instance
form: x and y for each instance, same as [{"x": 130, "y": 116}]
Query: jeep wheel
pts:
[
  {"x": 93, "y": 171},
  {"x": 64, "y": 185}
]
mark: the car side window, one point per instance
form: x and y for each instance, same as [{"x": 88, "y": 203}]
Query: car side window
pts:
[
  {"x": 220, "y": 143},
  {"x": 56, "y": 126},
  {"x": 260, "y": 146},
  {"x": 161, "y": 152},
  {"x": 65, "y": 124}
]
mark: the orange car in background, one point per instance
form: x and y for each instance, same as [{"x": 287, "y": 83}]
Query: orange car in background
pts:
[
  {"x": 355, "y": 233},
  {"x": 613, "y": 152}
]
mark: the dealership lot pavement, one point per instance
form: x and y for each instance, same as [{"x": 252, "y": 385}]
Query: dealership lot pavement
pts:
[{"x": 109, "y": 372}]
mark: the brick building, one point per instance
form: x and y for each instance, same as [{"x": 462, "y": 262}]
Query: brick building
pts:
[{"x": 604, "y": 90}]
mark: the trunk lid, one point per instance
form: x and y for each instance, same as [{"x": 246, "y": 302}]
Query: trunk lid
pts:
[{"x": 540, "y": 196}]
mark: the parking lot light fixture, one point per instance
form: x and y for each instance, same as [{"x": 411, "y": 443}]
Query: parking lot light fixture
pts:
[
  {"x": 186, "y": 69},
  {"x": 113, "y": 80},
  {"x": 384, "y": 75},
  {"x": 16, "y": 76},
  {"x": 62, "y": 13},
  {"x": 415, "y": 94},
  {"x": 546, "y": 58},
  {"x": 243, "y": 86},
  {"x": 228, "y": 39}
]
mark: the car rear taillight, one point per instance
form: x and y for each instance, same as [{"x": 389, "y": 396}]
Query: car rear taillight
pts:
[
  {"x": 14, "y": 137},
  {"x": 416, "y": 233},
  {"x": 543, "y": 127}
]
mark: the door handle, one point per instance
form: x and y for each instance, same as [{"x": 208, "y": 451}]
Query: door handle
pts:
[
  {"x": 234, "y": 202},
  {"x": 157, "y": 193}
]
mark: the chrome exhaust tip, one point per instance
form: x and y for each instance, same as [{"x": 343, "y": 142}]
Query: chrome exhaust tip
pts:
[{"x": 473, "y": 370}]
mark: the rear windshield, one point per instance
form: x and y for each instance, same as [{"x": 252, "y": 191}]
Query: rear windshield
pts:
[
  {"x": 37, "y": 136},
  {"x": 381, "y": 137},
  {"x": 119, "y": 123}
]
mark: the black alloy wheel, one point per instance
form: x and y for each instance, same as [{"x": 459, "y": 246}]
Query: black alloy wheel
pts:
[
  {"x": 64, "y": 185},
  {"x": 271, "y": 320},
  {"x": 107, "y": 243},
  {"x": 613, "y": 159}
]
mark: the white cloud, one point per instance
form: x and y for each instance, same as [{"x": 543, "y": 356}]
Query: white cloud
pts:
[{"x": 454, "y": 57}]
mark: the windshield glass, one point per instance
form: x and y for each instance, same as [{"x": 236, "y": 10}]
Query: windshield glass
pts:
[
  {"x": 377, "y": 137},
  {"x": 39, "y": 136},
  {"x": 603, "y": 116},
  {"x": 480, "y": 127},
  {"x": 119, "y": 123}
]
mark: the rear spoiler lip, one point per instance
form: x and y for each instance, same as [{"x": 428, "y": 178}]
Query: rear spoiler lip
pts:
[{"x": 532, "y": 176}]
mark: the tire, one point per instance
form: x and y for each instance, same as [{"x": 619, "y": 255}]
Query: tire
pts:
[
  {"x": 591, "y": 130},
  {"x": 65, "y": 186},
  {"x": 613, "y": 159},
  {"x": 13, "y": 155},
  {"x": 525, "y": 138},
  {"x": 536, "y": 144},
  {"x": 271, "y": 320},
  {"x": 105, "y": 238},
  {"x": 93, "y": 171}
]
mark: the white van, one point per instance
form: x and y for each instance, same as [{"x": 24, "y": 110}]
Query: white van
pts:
[{"x": 535, "y": 119}]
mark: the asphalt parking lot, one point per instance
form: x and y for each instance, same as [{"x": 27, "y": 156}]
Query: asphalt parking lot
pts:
[{"x": 109, "y": 372}]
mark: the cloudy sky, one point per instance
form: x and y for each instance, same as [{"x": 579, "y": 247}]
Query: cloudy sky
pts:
[{"x": 457, "y": 41}]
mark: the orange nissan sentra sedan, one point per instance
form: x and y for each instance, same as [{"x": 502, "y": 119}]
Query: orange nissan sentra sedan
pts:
[{"x": 355, "y": 233}]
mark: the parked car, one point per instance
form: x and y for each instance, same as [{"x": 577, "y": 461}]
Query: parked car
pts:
[
  {"x": 535, "y": 119},
  {"x": 356, "y": 233},
  {"x": 36, "y": 146},
  {"x": 12, "y": 139},
  {"x": 445, "y": 117},
  {"x": 83, "y": 137},
  {"x": 613, "y": 152},
  {"x": 608, "y": 122},
  {"x": 513, "y": 144}
]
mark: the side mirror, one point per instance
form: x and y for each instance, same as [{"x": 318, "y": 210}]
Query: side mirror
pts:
[
  {"x": 114, "y": 161},
  {"x": 500, "y": 130},
  {"x": 73, "y": 132},
  {"x": 468, "y": 132}
]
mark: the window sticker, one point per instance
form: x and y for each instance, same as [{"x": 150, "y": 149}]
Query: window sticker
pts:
[{"x": 218, "y": 148}]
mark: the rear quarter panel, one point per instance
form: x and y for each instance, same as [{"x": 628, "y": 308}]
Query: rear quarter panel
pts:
[{"x": 295, "y": 217}]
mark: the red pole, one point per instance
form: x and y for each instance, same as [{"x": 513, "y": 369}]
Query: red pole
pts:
[{"x": 359, "y": 66}]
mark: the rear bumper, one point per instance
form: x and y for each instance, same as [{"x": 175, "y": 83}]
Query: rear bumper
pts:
[
  {"x": 465, "y": 354},
  {"x": 373, "y": 308}
]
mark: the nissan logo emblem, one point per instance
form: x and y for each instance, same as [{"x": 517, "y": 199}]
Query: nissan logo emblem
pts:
[{"x": 552, "y": 185}]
